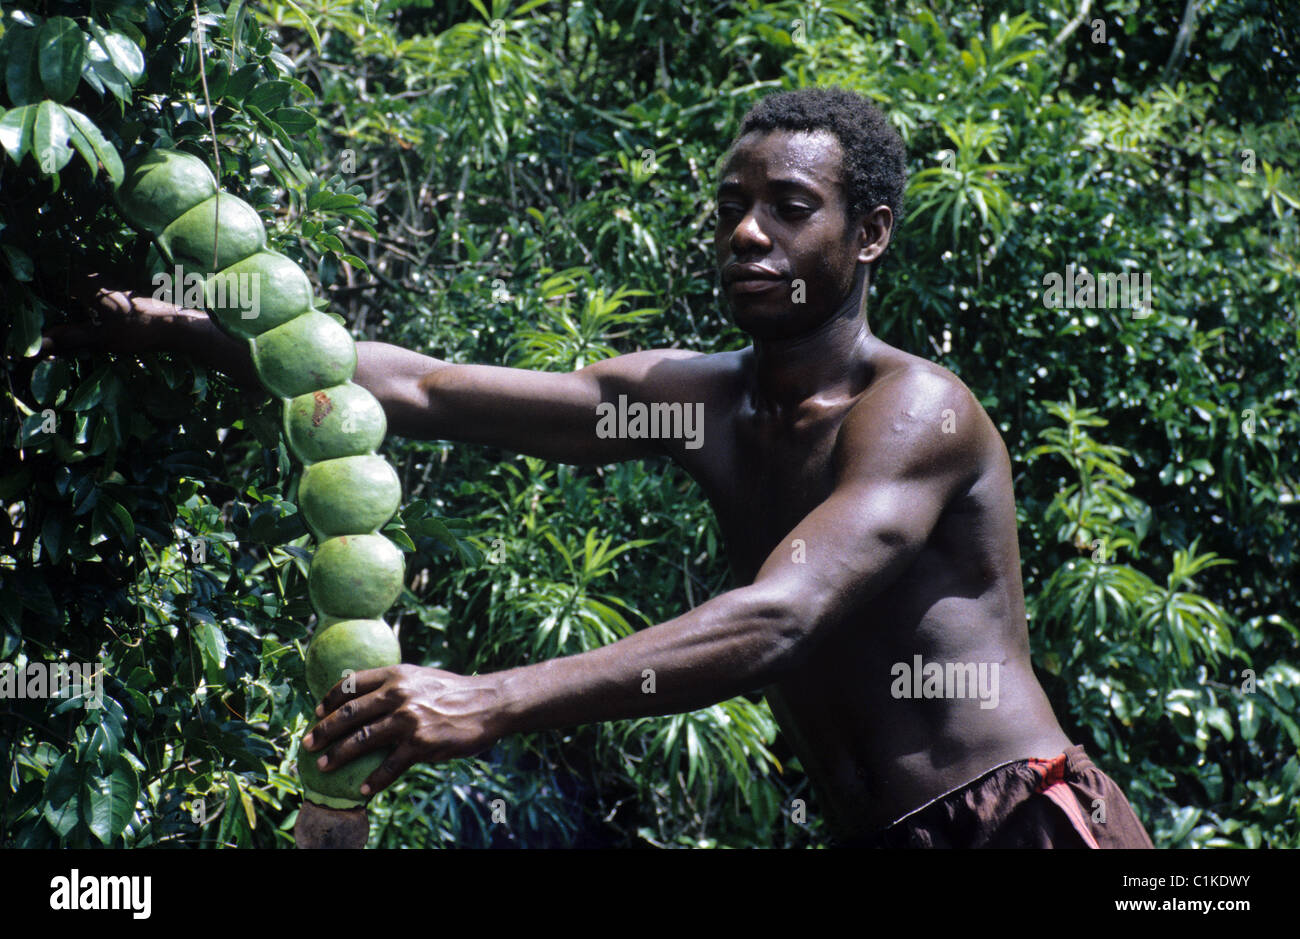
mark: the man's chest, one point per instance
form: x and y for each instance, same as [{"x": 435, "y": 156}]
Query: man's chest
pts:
[{"x": 765, "y": 480}]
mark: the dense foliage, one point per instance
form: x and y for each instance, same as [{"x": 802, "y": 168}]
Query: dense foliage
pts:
[{"x": 529, "y": 184}]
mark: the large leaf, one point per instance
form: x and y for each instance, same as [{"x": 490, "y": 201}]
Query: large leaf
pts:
[
  {"x": 62, "y": 795},
  {"x": 110, "y": 801},
  {"x": 61, "y": 47},
  {"x": 101, "y": 72},
  {"x": 22, "y": 74},
  {"x": 92, "y": 145},
  {"x": 122, "y": 52},
  {"x": 16, "y": 129},
  {"x": 50, "y": 138}
]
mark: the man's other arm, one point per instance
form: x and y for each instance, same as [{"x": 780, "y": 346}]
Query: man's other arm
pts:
[{"x": 896, "y": 472}]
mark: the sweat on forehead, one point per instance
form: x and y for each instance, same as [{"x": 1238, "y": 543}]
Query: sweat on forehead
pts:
[{"x": 816, "y": 155}]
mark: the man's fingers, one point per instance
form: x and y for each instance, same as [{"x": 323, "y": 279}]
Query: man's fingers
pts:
[
  {"x": 358, "y": 683},
  {"x": 347, "y": 717},
  {"x": 372, "y": 736},
  {"x": 396, "y": 763}
]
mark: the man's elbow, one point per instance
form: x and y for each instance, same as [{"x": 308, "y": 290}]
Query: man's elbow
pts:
[{"x": 784, "y": 633}]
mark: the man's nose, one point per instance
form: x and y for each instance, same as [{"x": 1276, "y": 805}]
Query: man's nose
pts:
[{"x": 748, "y": 235}]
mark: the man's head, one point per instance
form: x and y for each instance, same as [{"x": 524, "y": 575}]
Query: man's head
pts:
[{"x": 808, "y": 197}]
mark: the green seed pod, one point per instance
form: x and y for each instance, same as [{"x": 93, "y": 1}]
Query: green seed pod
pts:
[
  {"x": 310, "y": 351},
  {"x": 345, "y": 420},
  {"x": 162, "y": 186},
  {"x": 356, "y": 576},
  {"x": 307, "y": 358},
  {"x": 355, "y": 644},
  {"x": 189, "y": 240},
  {"x": 257, "y": 294},
  {"x": 350, "y": 495}
]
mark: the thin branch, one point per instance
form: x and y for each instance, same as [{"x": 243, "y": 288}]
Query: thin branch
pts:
[
  {"x": 1185, "y": 30},
  {"x": 1071, "y": 26}
]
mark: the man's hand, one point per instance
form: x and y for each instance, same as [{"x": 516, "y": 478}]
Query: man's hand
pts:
[{"x": 426, "y": 715}]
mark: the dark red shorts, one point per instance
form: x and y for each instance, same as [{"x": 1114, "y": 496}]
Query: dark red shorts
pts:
[{"x": 1065, "y": 802}]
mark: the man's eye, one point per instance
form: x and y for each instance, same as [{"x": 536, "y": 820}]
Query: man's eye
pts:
[
  {"x": 728, "y": 208},
  {"x": 795, "y": 208}
]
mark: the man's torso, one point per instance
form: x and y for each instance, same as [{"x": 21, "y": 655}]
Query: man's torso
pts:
[{"x": 873, "y": 754}]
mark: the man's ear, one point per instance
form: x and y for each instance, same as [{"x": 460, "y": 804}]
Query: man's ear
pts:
[{"x": 873, "y": 230}]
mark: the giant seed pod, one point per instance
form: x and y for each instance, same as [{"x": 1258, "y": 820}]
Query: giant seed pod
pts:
[
  {"x": 163, "y": 186},
  {"x": 257, "y": 294},
  {"x": 307, "y": 359}
]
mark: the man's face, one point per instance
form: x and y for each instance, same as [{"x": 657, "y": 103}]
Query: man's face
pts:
[{"x": 781, "y": 221}]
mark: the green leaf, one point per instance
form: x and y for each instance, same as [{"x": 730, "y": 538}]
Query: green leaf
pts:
[
  {"x": 268, "y": 95},
  {"x": 62, "y": 796},
  {"x": 52, "y": 537},
  {"x": 121, "y": 516},
  {"x": 212, "y": 644},
  {"x": 110, "y": 801},
  {"x": 106, "y": 741},
  {"x": 1249, "y": 715},
  {"x": 307, "y": 24},
  {"x": 236, "y": 785},
  {"x": 294, "y": 120},
  {"x": 101, "y": 72},
  {"x": 50, "y": 138},
  {"x": 240, "y": 82},
  {"x": 122, "y": 52},
  {"x": 16, "y": 129},
  {"x": 61, "y": 48},
  {"x": 400, "y": 538},
  {"x": 90, "y": 391},
  {"x": 20, "y": 264},
  {"x": 93, "y": 146},
  {"x": 22, "y": 77}
]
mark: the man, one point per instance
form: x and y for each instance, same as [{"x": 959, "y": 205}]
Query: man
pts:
[{"x": 865, "y": 499}]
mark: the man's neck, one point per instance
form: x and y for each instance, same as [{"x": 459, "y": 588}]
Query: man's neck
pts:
[{"x": 829, "y": 363}]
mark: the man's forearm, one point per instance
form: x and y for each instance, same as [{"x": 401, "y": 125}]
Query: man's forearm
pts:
[
  {"x": 197, "y": 336},
  {"x": 734, "y": 643}
]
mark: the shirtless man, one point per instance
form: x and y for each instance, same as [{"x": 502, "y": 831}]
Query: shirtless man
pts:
[{"x": 866, "y": 501}]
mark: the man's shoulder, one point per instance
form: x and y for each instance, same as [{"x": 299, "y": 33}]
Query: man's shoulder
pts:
[
  {"x": 917, "y": 412},
  {"x": 907, "y": 389}
]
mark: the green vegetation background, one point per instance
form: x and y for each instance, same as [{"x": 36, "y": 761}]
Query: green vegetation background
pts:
[{"x": 529, "y": 184}]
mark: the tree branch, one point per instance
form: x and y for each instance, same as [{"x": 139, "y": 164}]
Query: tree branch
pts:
[
  {"x": 1071, "y": 26},
  {"x": 1185, "y": 30}
]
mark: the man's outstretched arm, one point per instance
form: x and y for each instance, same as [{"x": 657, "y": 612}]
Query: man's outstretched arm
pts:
[
  {"x": 552, "y": 415},
  {"x": 897, "y": 472}
]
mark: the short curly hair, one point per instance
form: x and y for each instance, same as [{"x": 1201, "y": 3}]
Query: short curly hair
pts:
[{"x": 875, "y": 160}]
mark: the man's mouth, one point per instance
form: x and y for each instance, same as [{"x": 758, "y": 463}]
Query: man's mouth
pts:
[
  {"x": 756, "y": 285},
  {"x": 751, "y": 278}
]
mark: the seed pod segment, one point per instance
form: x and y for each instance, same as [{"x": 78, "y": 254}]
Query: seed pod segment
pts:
[
  {"x": 309, "y": 352},
  {"x": 346, "y": 420}
]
